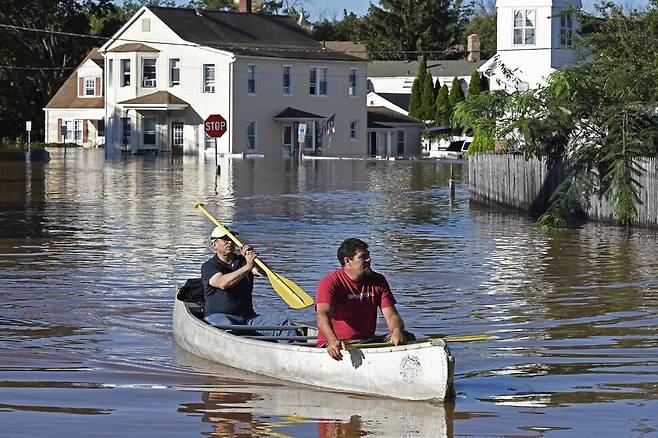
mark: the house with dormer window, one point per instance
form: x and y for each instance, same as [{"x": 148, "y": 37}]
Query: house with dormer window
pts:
[
  {"x": 534, "y": 38},
  {"x": 76, "y": 113},
  {"x": 168, "y": 69}
]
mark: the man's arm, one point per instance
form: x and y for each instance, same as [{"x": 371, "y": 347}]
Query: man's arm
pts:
[
  {"x": 256, "y": 270},
  {"x": 395, "y": 324},
  {"x": 225, "y": 281},
  {"x": 334, "y": 345}
]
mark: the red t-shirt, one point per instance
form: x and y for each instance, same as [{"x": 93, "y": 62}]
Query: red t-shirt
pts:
[{"x": 355, "y": 303}]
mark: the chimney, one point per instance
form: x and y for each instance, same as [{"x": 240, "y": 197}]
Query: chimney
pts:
[
  {"x": 473, "y": 47},
  {"x": 245, "y": 6}
]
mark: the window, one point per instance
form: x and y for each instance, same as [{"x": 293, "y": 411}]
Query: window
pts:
[
  {"x": 110, "y": 72},
  {"x": 174, "y": 72},
  {"x": 524, "y": 26},
  {"x": 101, "y": 128},
  {"x": 148, "y": 73},
  {"x": 287, "y": 80},
  {"x": 252, "y": 70},
  {"x": 251, "y": 135},
  {"x": 125, "y": 72},
  {"x": 318, "y": 81},
  {"x": 126, "y": 132},
  {"x": 77, "y": 130},
  {"x": 353, "y": 90},
  {"x": 566, "y": 30},
  {"x": 208, "y": 78},
  {"x": 354, "y": 129},
  {"x": 149, "y": 131},
  {"x": 146, "y": 24},
  {"x": 400, "y": 142},
  {"x": 90, "y": 86},
  {"x": 177, "y": 128}
]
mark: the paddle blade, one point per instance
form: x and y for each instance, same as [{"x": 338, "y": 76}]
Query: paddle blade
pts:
[{"x": 292, "y": 294}]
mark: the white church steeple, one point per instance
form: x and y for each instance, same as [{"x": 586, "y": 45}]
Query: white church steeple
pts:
[{"x": 534, "y": 38}]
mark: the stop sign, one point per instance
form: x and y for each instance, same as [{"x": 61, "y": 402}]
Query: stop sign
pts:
[{"x": 215, "y": 125}]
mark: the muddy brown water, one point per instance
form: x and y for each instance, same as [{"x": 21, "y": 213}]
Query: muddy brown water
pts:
[{"x": 92, "y": 250}]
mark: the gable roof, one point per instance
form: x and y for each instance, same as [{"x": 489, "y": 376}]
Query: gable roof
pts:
[
  {"x": 67, "y": 95},
  {"x": 249, "y": 34},
  {"x": 158, "y": 98},
  {"x": 438, "y": 67},
  {"x": 398, "y": 99},
  {"x": 382, "y": 117}
]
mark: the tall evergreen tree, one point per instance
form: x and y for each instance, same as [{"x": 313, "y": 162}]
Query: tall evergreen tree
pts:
[
  {"x": 474, "y": 86},
  {"x": 427, "y": 97},
  {"x": 443, "y": 108},
  {"x": 416, "y": 99},
  {"x": 409, "y": 29},
  {"x": 456, "y": 92}
]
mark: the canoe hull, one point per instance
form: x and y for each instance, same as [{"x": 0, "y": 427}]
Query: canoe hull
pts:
[{"x": 422, "y": 371}]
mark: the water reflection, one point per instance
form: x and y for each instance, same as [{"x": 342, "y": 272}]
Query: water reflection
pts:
[{"x": 243, "y": 403}]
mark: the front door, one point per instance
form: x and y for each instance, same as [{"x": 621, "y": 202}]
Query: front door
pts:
[{"x": 177, "y": 138}]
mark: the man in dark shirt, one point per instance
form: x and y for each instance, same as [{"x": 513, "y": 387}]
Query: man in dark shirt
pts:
[{"x": 228, "y": 284}]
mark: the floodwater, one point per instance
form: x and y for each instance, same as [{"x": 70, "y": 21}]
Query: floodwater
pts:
[{"x": 91, "y": 252}]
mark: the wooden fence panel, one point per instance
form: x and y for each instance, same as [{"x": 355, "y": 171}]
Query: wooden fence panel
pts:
[{"x": 511, "y": 181}]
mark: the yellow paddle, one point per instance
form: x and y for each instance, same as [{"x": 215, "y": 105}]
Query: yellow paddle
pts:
[
  {"x": 468, "y": 338},
  {"x": 292, "y": 294}
]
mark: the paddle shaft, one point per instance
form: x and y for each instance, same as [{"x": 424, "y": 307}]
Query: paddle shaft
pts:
[
  {"x": 469, "y": 338},
  {"x": 292, "y": 294}
]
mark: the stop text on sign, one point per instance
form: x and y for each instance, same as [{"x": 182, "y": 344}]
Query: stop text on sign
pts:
[{"x": 215, "y": 125}]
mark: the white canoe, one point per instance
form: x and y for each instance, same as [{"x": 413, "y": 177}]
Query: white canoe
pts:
[{"x": 418, "y": 371}]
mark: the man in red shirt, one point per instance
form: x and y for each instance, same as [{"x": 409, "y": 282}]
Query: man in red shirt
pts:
[{"x": 347, "y": 301}]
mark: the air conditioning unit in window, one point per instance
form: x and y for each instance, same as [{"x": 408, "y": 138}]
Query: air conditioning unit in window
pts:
[
  {"x": 352, "y": 91},
  {"x": 209, "y": 89},
  {"x": 149, "y": 83}
]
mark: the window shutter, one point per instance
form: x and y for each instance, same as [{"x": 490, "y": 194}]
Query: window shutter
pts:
[
  {"x": 59, "y": 130},
  {"x": 81, "y": 87},
  {"x": 85, "y": 129},
  {"x": 98, "y": 87}
]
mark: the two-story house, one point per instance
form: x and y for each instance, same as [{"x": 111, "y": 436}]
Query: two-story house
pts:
[
  {"x": 168, "y": 69},
  {"x": 76, "y": 113}
]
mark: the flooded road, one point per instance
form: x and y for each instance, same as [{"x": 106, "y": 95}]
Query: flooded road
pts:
[{"x": 91, "y": 252}]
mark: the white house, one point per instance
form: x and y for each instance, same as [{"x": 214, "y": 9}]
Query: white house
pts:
[
  {"x": 168, "y": 69},
  {"x": 534, "y": 39},
  {"x": 78, "y": 106},
  {"x": 391, "y": 134}
]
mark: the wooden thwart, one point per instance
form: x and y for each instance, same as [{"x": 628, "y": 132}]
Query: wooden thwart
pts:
[{"x": 241, "y": 327}]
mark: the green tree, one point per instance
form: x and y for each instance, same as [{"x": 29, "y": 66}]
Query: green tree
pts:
[
  {"x": 427, "y": 97},
  {"x": 346, "y": 29},
  {"x": 474, "y": 86},
  {"x": 443, "y": 108},
  {"x": 131, "y": 6},
  {"x": 36, "y": 63},
  {"x": 411, "y": 29},
  {"x": 456, "y": 92},
  {"x": 483, "y": 23},
  {"x": 597, "y": 118},
  {"x": 416, "y": 99}
]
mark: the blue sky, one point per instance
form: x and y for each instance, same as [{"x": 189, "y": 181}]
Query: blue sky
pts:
[{"x": 329, "y": 8}]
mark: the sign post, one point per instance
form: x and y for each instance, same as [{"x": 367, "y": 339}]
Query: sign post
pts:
[
  {"x": 63, "y": 131},
  {"x": 28, "y": 128},
  {"x": 301, "y": 138},
  {"x": 215, "y": 126}
]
